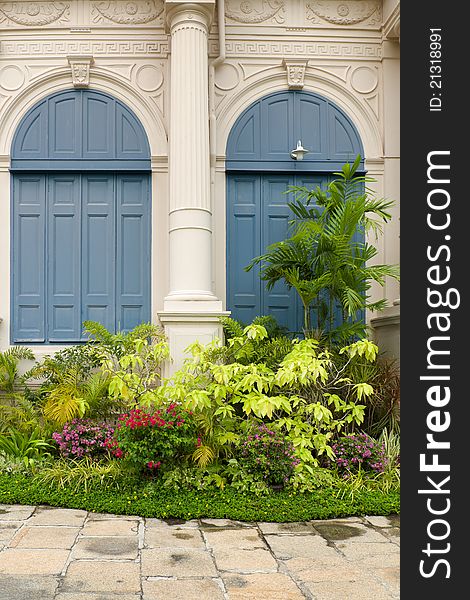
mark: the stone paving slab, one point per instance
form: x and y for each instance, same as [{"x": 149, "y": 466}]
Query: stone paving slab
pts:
[
  {"x": 15, "y": 512},
  {"x": 177, "y": 563},
  {"x": 114, "y": 527},
  {"x": 159, "y": 537},
  {"x": 19, "y": 587},
  {"x": 8, "y": 529},
  {"x": 188, "y": 589},
  {"x": 61, "y": 554},
  {"x": 102, "y": 576},
  {"x": 245, "y": 561},
  {"x": 259, "y": 586},
  {"x": 25, "y": 561},
  {"x": 106, "y": 547},
  {"x": 45, "y": 537},
  {"x": 46, "y": 515}
]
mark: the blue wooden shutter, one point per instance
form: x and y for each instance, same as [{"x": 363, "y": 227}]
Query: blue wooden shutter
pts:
[
  {"x": 280, "y": 302},
  {"x": 133, "y": 251},
  {"x": 244, "y": 243},
  {"x": 29, "y": 198},
  {"x": 98, "y": 249},
  {"x": 63, "y": 249}
]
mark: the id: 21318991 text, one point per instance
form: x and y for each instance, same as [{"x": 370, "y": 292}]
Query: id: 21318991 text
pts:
[{"x": 435, "y": 69}]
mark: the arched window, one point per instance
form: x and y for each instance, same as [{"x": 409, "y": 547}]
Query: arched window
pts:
[
  {"x": 259, "y": 171},
  {"x": 81, "y": 218}
]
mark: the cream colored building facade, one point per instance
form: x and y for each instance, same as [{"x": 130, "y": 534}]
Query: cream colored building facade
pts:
[{"x": 188, "y": 71}]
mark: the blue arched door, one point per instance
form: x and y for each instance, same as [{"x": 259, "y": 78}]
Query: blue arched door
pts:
[
  {"x": 81, "y": 218},
  {"x": 259, "y": 172}
]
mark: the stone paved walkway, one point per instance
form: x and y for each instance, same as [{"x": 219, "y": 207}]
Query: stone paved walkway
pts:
[{"x": 58, "y": 554}]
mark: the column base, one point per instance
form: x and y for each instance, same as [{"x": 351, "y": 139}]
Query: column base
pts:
[
  {"x": 183, "y": 328},
  {"x": 386, "y": 330}
]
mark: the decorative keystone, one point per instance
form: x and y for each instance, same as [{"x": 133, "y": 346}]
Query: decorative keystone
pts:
[
  {"x": 80, "y": 66},
  {"x": 295, "y": 73}
]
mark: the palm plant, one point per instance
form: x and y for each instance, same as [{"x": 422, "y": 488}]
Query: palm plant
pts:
[
  {"x": 9, "y": 367},
  {"x": 327, "y": 259}
]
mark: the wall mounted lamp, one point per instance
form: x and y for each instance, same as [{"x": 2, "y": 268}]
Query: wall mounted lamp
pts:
[{"x": 299, "y": 152}]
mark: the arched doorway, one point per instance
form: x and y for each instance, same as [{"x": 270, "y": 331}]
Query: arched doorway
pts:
[
  {"x": 81, "y": 218},
  {"x": 259, "y": 170}
]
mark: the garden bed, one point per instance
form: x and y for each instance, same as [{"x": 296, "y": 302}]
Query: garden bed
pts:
[{"x": 153, "y": 500}]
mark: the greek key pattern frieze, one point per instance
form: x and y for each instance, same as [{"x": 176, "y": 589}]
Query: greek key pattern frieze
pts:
[{"x": 58, "y": 48}]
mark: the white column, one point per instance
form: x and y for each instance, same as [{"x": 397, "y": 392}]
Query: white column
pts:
[
  {"x": 191, "y": 309},
  {"x": 190, "y": 222}
]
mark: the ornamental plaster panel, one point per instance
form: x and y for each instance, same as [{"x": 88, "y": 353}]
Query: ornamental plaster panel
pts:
[
  {"x": 34, "y": 14},
  {"x": 122, "y": 12},
  {"x": 253, "y": 12},
  {"x": 366, "y": 13}
]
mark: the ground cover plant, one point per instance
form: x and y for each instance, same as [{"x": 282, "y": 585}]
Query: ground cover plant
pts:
[{"x": 262, "y": 425}]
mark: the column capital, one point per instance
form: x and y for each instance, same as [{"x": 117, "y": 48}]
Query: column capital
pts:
[{"x": 199, "y": 12}]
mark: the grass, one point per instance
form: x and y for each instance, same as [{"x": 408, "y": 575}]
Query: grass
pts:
[{"x": 151, "y": 499}]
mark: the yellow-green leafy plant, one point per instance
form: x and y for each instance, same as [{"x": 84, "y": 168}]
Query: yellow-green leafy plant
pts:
[{"x": 307, "y": 396}]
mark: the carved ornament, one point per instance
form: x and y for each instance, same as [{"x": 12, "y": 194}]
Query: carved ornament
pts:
[
  {"x": 255, "y": 11},
  {"x": 32, "y": 14},
  {"x": 295, "y": 73},
  {"x": 80, "y": 66},
  {"x": 127, "y": 13},
  {"x": 344, "y": 12}
]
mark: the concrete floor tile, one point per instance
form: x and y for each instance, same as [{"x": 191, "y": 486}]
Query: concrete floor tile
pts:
[
  {"x": 102, "y": 576},
  {"x": 19, "y": 587},
  {"x": 159, "y": 537},
  {"x": 47, "y": 515},
  {"x": 45, "y": 537},
  {"x": 8, "y": 529},
  {"x": 295, "y": 546},
  {"x": 350, "y": 532},
  {"x": 22, "y": 561},
  {"x": 260, "y": 586},
  {"x": 114, "y": 527},
  {"x": 357, "y": 590},
  {"x": 247, "y": 538},
  {"x": 187, "y": 589},
  {"x": 244, "y": 561},
  {"x": 106, "y": 548},
  {"x": 279, "y": 528},
  {"x": 177, "y": 563},
  {"x": 15, "y": 512}
]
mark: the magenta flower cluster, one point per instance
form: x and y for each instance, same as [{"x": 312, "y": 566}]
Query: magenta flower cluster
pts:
[
  {"x": 268, "y": 455},
  {"x": 359, "y": 451},
  {"x": 83, "y": 437}
]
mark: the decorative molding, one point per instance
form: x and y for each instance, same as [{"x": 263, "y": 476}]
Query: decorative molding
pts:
[
  {"x": 34, "y": 14},
  {"x": 344, "y": 12},
  {"x": 43, "y": 48},
  {"x": 256, "y": 11},
  {"x": 295, "y": 73},
  {"x": 391, "y": 27},
  {"x": 122, "y": 12},
  {"x": 364, "y": 79},
  {"x": 80, "y": 66},
  {"x": 299, "y": 49},
  {"x": 12, "y": 78}
]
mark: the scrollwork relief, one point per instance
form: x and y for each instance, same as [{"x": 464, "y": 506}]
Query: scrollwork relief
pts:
[
  {"x": 344, "y": 12},
  {"x": 256, "y": 11},
  {"x": 34, "y": 14},
  {"x": 127, "y": 13}
]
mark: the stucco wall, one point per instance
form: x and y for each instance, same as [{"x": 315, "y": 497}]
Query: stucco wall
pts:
[{"x": 342, "y": 44}]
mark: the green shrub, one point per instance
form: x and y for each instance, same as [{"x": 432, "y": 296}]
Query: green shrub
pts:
[
  {"x": 158, "y": 439},
  {"x": 268, "y": 455}
]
